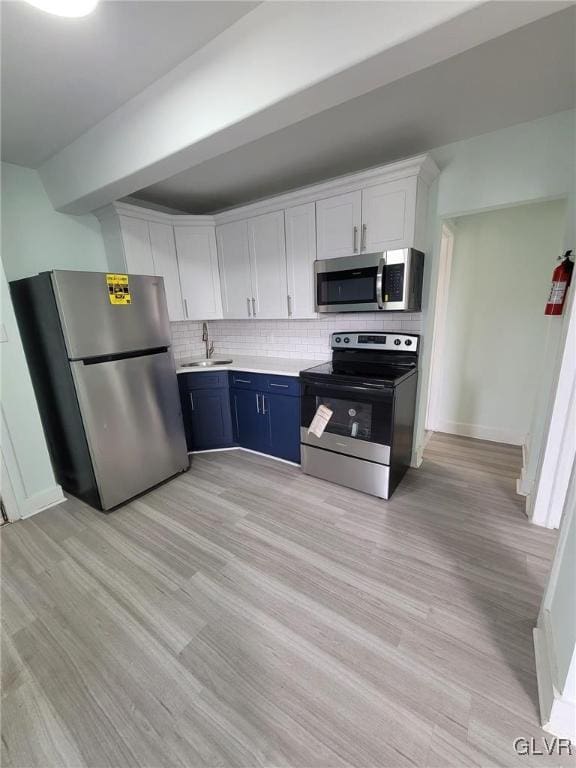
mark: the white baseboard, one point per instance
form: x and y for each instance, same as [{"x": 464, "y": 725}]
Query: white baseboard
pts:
[
  {"x": 45, "y": 499},
  {"x": 248, "y": 450},
  {"x": 557, "y": 713},
  {"x": 481, "y": 432}
]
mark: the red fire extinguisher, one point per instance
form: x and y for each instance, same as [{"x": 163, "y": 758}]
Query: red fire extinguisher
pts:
[{"x": 560, "y": 281}]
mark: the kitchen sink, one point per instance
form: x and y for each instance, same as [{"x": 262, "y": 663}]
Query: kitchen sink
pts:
[{"x": 205, "y": 363}]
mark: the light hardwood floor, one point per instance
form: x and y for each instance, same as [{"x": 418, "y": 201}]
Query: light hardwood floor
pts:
[{"x": 244, "y": 614}]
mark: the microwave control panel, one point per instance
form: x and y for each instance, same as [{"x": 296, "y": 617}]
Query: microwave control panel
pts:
[{"x": 394, "y": 282}]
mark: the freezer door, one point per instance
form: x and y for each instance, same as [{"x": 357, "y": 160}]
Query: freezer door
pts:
[
  {"x": 92, "y": 326},
  {"x": 131, "y": 413}
]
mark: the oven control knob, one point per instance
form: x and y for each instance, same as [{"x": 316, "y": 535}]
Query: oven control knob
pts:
[
  {"x": 346, "y": 340},
  {"x": 337, "y": 339},
  {"x": 397, "y": 342},
  {"x": 408, "y": 342}
]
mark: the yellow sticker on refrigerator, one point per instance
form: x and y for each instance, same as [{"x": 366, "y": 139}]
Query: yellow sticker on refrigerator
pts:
[{"x": 118, "y": 289}]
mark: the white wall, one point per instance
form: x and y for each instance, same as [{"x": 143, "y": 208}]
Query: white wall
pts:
[
  {"x": 529, "y": 162},
  {"x": 35, "y": 237},
  {"x": 496, "y": 330}
]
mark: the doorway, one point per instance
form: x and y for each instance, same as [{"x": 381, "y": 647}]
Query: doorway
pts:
[{"x": 492, "y": 340}]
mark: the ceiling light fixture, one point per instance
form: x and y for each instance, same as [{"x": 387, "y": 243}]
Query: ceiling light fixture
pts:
[{"x": 73, "y": 8}]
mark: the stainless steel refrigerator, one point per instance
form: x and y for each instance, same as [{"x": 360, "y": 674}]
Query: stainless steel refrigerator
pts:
[{"x": 98, "y": 349}]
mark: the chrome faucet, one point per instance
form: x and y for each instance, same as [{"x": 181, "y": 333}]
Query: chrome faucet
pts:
[{"x": 205, "y": 339}]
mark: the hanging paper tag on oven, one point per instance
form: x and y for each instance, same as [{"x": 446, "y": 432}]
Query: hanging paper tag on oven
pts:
[{"x": 320, "y": 420}]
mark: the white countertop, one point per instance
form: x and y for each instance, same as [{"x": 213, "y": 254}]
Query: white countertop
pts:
[{"x": 282, "y": 366}]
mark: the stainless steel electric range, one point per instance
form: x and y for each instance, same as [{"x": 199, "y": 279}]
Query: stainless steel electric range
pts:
[{"x": 370, "y": 389}]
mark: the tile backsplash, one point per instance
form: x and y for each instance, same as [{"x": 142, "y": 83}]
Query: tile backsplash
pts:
[
  {"x": 187, "y": 340},
  {"x": 303, "y": 339}
]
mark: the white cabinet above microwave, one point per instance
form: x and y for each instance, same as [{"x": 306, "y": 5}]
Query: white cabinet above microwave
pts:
[{"x": 381, "y": 217}]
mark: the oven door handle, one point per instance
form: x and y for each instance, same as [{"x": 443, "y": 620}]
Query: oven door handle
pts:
[
  {"x": 380, "y": 281},
  {"x": 373, "y": 390}
]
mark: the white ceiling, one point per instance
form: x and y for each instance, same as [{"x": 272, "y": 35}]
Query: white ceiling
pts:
[
  {"x": 61, "y": 76},
  {"x": 518, "y": 77}
]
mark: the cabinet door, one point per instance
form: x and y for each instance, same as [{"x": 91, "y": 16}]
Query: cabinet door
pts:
[
  {"x": 211, "y": 422},
  {"x": 300, "y": 223},
  {"x": 137, "y": 250},
  {"x": 267, "y": 247},
  {"x": 166, "y": 266},
  {"x": 388, "y": 212},
  {"x": 338, "y": 221},
  {"x": 199, "y": 274},
  {"x": 283, "y": 414},
  {"x": 234, "y": 261},
  {"x": 250, "y": 423}
]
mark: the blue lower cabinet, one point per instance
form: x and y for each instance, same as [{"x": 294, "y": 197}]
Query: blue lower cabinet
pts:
[
  {"x": 250, "y": 423},
  {"x": 256, "y": 411},
  {"x": 210, "y": 419},
  {"x": 206, "y": 411},
  {"x": 267, "y": 423},
  {"x": 284, "y": 424}
]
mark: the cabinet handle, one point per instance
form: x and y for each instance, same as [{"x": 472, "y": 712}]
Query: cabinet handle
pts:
[
  {"x": 254, "y": 306},
  {"x": 241, "y": 381},
  {"x": 192, "y": 400},
  {"x": 257, "y": 402},
  {"x": 283, "y": 386},
  {"x": 264, "y": 411},
  {"x": 363, "y": 238},
  {"x": 355, "y": 239},
  {"x": 186, "y": 307},
  {"x": 289, "y": 305},
  {"x": 248, "y": 305}
]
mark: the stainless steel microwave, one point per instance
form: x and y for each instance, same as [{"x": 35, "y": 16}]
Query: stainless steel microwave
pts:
[{"x": 370, "y": 282}]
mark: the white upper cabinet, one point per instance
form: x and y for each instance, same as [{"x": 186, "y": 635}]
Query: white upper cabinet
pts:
[
  {"x": 166, "y": 266},
  {"x": 300, "y": 225},
  {"x": 181, "y": 249},
  {"x": 267, "y": 249},
  {"x": 137, "y": 249},
  {"x": 338, "y": 222},
  {"x": 234, "y": 260},
  {"x": 388, "y": 213},
  {"x": 258, "y": 261},
  {"x": 199, "y": 274}
]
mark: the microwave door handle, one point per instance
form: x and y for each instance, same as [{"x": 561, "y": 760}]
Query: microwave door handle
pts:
[{"x": 380, "y": 282}]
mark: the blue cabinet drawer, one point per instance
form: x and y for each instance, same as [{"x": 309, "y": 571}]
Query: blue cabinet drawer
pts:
[
  {"x": 241, "y": 380},
  {"x": 283, "y": 385},
  {"x": 208, "y": 380}
]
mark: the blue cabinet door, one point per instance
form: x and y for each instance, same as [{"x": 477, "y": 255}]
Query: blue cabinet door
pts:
[
  {"x": 283, "y": 413},
  {"x": 250, "y": 422},
  {"x": 210, "y": 419}
]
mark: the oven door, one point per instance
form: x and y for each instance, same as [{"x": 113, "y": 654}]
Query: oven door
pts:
[{"x": 361, "y": 424}]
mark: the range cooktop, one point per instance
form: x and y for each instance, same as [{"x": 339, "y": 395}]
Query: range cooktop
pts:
[
  {"x": 373, "y": 359},
  {"x": 373, "y": 374}
]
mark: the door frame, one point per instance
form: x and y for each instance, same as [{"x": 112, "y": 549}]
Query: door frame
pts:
[
  {"x": 558, "y": 456},
  {"x": 440, "y": 315}
]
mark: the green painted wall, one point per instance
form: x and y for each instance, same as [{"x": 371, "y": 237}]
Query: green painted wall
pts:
[
  {"x": 36, "y": 238},
  {"x": 496, "y": 330},
  {"x": 525, "y": 163}
]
